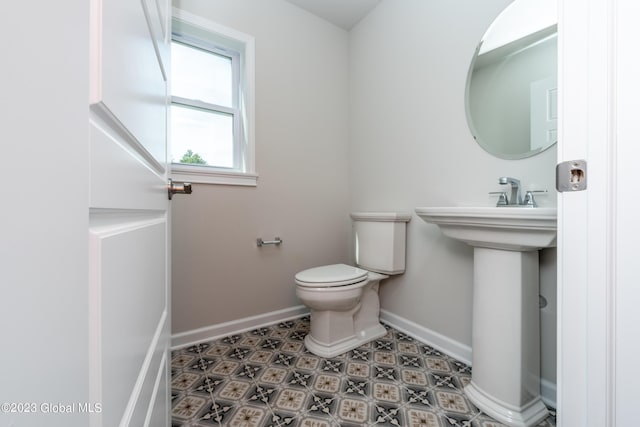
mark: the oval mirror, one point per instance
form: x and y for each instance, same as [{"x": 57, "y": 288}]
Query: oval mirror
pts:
[{"x": 511, "y": 93}]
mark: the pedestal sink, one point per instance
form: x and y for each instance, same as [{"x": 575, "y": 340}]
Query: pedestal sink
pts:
[{"x": 506, "y": 319}]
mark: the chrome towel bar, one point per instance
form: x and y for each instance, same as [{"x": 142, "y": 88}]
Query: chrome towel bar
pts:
[{"x": 277, "y": 241}]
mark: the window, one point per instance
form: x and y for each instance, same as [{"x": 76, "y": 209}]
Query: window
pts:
[
  {"x": 204, "y": 105},
  {"x": 211, "y": 103}
]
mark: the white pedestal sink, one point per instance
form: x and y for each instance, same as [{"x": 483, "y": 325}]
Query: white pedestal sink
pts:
[{"x": 506, "y": 319}]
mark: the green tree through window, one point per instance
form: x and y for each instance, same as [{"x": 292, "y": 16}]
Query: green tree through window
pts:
[{"x": 193, "y": 158}]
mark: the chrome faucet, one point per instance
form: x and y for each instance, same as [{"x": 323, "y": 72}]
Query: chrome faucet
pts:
[{"x": 516, "y": 196}]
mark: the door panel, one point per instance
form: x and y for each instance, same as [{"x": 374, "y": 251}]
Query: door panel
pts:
[
  {"x": 129, "y": 86},
  {"x": 164, "y": 13},
  {"x": 151, "y": 401},
  {"x": 128, "y": 307},
  {"x": 129, "y": 220},
  {"x": 158, "y": 413},
  {"x": 544, "y": 112},
  {"x": 133, "y": 185},
  {"x": 157, "y": 27},
  {"x": 626, "y": 295}
]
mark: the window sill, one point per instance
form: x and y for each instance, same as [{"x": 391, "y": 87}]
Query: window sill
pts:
[{"x": 206, "y": 175}]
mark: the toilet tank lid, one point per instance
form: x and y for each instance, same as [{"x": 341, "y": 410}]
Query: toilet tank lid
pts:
[
  {"x": 382, "y": 216},
  {"x": 331, "y": 274}
]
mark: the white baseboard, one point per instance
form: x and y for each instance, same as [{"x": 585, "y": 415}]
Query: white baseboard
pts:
[
  {"x": 453, "y": 348},
  {"x": 213, "y": 332},
  {"x": 438, "y": 341},
  {"x": 548, "y": 393}
]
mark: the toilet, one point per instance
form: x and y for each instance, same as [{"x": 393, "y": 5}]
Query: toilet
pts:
[{"x": 343, "y": 299}]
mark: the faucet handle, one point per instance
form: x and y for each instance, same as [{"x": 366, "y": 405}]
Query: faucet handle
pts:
[
  {"x": 502, "y": 198},
  {"x": 529, "y": 200}
]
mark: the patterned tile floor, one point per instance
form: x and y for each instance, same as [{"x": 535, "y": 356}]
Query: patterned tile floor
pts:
[{"x": 266, "y": 377}]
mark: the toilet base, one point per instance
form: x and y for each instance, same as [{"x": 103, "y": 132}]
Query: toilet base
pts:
[{"x": 349, "y": 343}]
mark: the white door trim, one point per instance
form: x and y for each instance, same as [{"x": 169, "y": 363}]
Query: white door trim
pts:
[{"x": 586, "y": 226}]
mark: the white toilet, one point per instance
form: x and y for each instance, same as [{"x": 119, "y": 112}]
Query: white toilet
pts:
[{"x": 343, "y": 300}]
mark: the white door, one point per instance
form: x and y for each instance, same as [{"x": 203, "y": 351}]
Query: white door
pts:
[
  {"x": 598, "y": 231},
  {"x": 625, "y": 296},
  {"x": 129, "y": 223},
  {"x": 544, "y": 112}
]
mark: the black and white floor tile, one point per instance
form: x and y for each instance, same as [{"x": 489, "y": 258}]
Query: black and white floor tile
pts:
[{"x": 266, "y": 377}]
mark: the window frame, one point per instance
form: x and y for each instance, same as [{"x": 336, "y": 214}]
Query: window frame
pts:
[
  {"x": 233, "y": 111},
  {"x": 193, "y": 30}
]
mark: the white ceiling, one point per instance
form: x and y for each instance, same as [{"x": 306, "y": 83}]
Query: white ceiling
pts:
[{"x": 343, "y": 13}]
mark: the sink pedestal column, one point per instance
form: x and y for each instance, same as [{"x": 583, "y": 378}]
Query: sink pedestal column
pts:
[{"x": 505, "y": 380}]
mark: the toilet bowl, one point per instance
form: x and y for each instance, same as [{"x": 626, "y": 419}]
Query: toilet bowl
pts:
[
  {"x": 343, "y": 299},
  {"x": 344, "y": 307}
]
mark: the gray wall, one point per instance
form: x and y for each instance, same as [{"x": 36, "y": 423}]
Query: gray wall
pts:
[
  {"x": 219, "y": 274},
  {"x": 410, "y": 146}
]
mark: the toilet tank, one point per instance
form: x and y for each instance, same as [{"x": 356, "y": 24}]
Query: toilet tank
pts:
[{"x": 380, "y": 240}]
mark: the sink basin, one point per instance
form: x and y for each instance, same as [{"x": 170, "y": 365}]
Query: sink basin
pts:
[
  {"x": 508, "y": 228},
  {"x": 506, "y": 316}
]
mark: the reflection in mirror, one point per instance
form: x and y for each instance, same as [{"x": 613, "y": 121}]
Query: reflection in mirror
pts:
[{"x": 511, "y": 94}]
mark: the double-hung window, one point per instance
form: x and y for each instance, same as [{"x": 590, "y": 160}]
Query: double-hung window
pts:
[{"x": 211, "y": 103}]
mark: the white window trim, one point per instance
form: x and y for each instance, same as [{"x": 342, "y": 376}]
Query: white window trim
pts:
[{"x": 208, "y": 175}]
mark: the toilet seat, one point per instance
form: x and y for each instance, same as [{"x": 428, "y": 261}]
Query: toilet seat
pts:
[{"x": 331, "y": 276}]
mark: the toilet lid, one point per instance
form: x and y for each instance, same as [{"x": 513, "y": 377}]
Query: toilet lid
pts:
[{"x": 331, "y": 275}]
